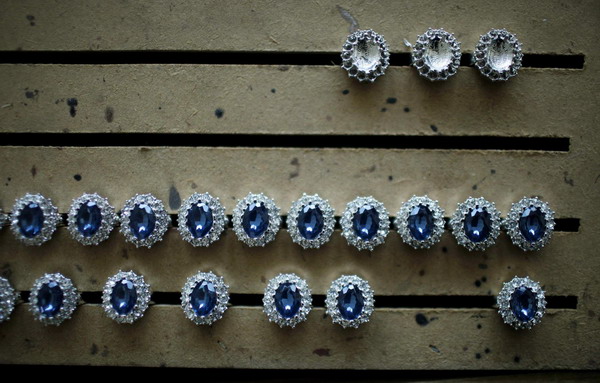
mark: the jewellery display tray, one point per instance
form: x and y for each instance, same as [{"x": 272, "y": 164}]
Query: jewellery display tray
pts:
[{"x": 177, "y": 97}]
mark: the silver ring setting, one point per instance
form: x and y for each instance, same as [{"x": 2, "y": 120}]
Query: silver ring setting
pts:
[
  {"x": 420, "y": 222},
  {"x": 436, "y": 54},
  {"x": 91, "y": 219},
  {"x": 256, "y": 220},
  {"x": 476, "y": 224},
  {"x": 521, "y": 303},
  {"x": 3, "y": 219},
  {"x": 311, "y": 221},
  {"x": 365, "y": 55},
  {"x": 498, "y": 55},
  {"x": 8, "y": 299},
  {"x": 34, "y": 219},
  {"x": 204, "y": 298},
  {"x": 530, "y": 223},
  {"x": 53, "y": 298},
  {"x": 365, "y": 223},
  {"x": 125, "y": 297},
  {"x": 287, "y": 300},
  {"x": 201, "y": 219},
  {"x": 144, "y": 220},
  {"x": 350, "y": 301}
]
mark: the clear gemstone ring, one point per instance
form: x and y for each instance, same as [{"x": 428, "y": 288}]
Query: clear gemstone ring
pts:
[
  {"x": 287, "y": 300},
  {"x": 350, "y": 301},
  {"x": 53, "y": 298},
  {"x": 521, "y": 303},
  {"x": 498, "y": 55},
  {"x": 34, "y": 219},
  {"x": 436, "y": 54},
  {"x": 476, "y": 224},
  {"x": 365, "y": 55},
  {"x": 125, "y": 297}
]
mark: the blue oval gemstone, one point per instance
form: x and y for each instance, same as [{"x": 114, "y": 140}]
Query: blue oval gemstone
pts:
[
  {"x": 203, "y": 298},
  {"x": 287, "y": 299},
  {"x": 50, "y": 299},
  {"x": 123, "y": 297},
  {"x": 142, "y": 221},
  {"x": 255, "y": 220},
  {"x": 523, "y": 303},
  {"x": 88, "y": 218},
  {"x": 366, "y": 222},
  {"x": 532, "y": 224},
  {"x": 350, "y": 302},
  {"x": 310, "y": 221},
  {"x": 199, "y": 220},
  {"x": 420, "y": 222},
  {"x": 478, "y": 224},
  {"x": 31, "y": 220}
]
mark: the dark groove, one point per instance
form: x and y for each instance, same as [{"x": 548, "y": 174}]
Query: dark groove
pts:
[
  {"x": 550, "y": 144},
  {"x": 575, "y": 61},
  {"x": 569, "y": 225}
]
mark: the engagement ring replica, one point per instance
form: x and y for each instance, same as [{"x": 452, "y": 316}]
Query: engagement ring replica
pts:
[
  {"x": 521, "y": 303},
  {"x": 144, "y": 220},
  {"x": 204, "y": 298},
  {"x": 34, "y": 219},
  {"x": 201, "y": 219},
  {"x": 311, "y": 221},
  {"x": 287, "y": 300},
  {"x": 256, "y": 220},
  {"x": 420, "y": 222},
  {"x": 365, "y": 223},
  {"x": 476, "y": 224},
  {"x": 91, "y": 219},
  {"x": 530, "y": 224},
  {"x": 53, "y": 298},
  {"x": 365, "y": 55},
  {"x": 498, "y": 55},
  {"x": 125, "y": 297},
  {"x": 436, "y": 54},
  {"x": 349, "y": 301}
]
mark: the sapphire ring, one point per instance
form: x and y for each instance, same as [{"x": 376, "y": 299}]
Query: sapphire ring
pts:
[
  {"x": 365, "y": 55},
  {"x": 53, "y": 298},
  {"x": 365, "y": 223},
  {"x": 204, "y": 298},
  {"x": 91, "y": 219},
  {"x": 34, "y": 219},
  {"x": 420, "y": 222},
  {"x": 125, "y": 297},
  {"x": 201, "y": 219},
  {"x": 287, "y": 300},
  {"x": 530, "y": 224},
  {"x": 521, "y": 303},
  {"x": 8, "y": 298},
  {"x": 256, "y": 220},
  {"x": 436, "y": 54},
  {"x": 498, "y": 55},
  {"x": 144, "y": 220},
  {"x": 311, "y": 221},
  {"x": 349, "y": 301},
  {"x": 476, "y": 224}
]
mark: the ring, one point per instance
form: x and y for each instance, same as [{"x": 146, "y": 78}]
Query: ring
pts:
[
  {"x": 436, "y": 54},
  {"x": 521, "y": 303},
  {"x": 365, "y": 223},
  {"x": 287, "y": 300},
  {"x": 53, "y": 298},
  {"x": 144, "y": 220},
  {"x": 201, "y": 219},
  {"x": 8, "y": 298},
  {"x": 498, "y": 55},
  {"x": 204, "y": 298},
  {"x": 311, "y": 221},
  {"x": 349, "y": 301},
  {"x": 125, "y": 297},
  {"x": 34, "y": 219},
  {"x": 476, "y": 224},
  {"x": 420, "y": 222},
  {"x": 365, "y": 55},
  {"x": 530, "y": 223},
  {"x": 91, "y": 219},
  {"x": 256, "y": 220},
  {"x": 3, "y": 219}
]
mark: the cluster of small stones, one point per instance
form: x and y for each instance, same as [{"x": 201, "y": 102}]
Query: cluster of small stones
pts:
[
  {"x": 351, "y": 44},
  {"x": 51, "y": 219},
  {"x": 458, "y": 220},
  {"x": 161, "y": 225},
  {"x": 419, "y": 55},
  {"x": 222, "y": 291},
  {"x": 511, "y": 224},
  {"x": 504, "y": 301},
  {"x": 482, "y": 54},
  {"x": 8, "y": 298},
  {"x": 219, "y": 220},
  {"x": 142, "y": 290},
  {"x": 69, "y": 301},
  {"x": 331, "y": 301},
  {"x": 328, "y": 221},
  {"x": 269, "y": 300},
  {"x": 402, "y": 224}
]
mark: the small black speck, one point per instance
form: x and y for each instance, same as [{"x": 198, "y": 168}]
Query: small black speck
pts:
[
  {"x": 421, "y": 320},
  {"x": 406, "y": 109},
  {"x": 383, "y": 109},
  {"x": 478, "y": 283},
  {"x": 77, "y": 177},
  {"x": 493, "y": 171},
  {"x": 568, "y": 181},
  {"x": 465, "y": 348},
  {"x": 508, "y": 267},
  {"x": 109, "y": 114},
  {"x": 273, "y": 90},
  {"x": 517, "y": 359},
  {"x": 487, "y": 350},
  {"x": 434, "y": 128},
  {"x": 72, "y": 103},
  {"x": 9, "y": 179},
  {"x": 474, "y": 187},
  {"x": 390, "y": 178},
  {"x": 479, "y": 327},
  {"x": 391, "y": 100},
  {"x": 33, "y": 171},
  {"x": 31, "y": 19},
  {"x": 444, "y": 249},
  {"x": 31, "y": 94},
  {"x": 478, "y": 356},
  {"x": 219, "y": 113},
  {"x": 94, "y": 349},
  {"x": 345, "y": 91},
  {"x": 483, "y": 279},
  {"x": 421, "y": 273},
  {"x": 79, "y": 268},
  {"x": 483, "y": 266},
  {"x": 174, "y": 198},
  {"x": 160, "y": 108}
]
